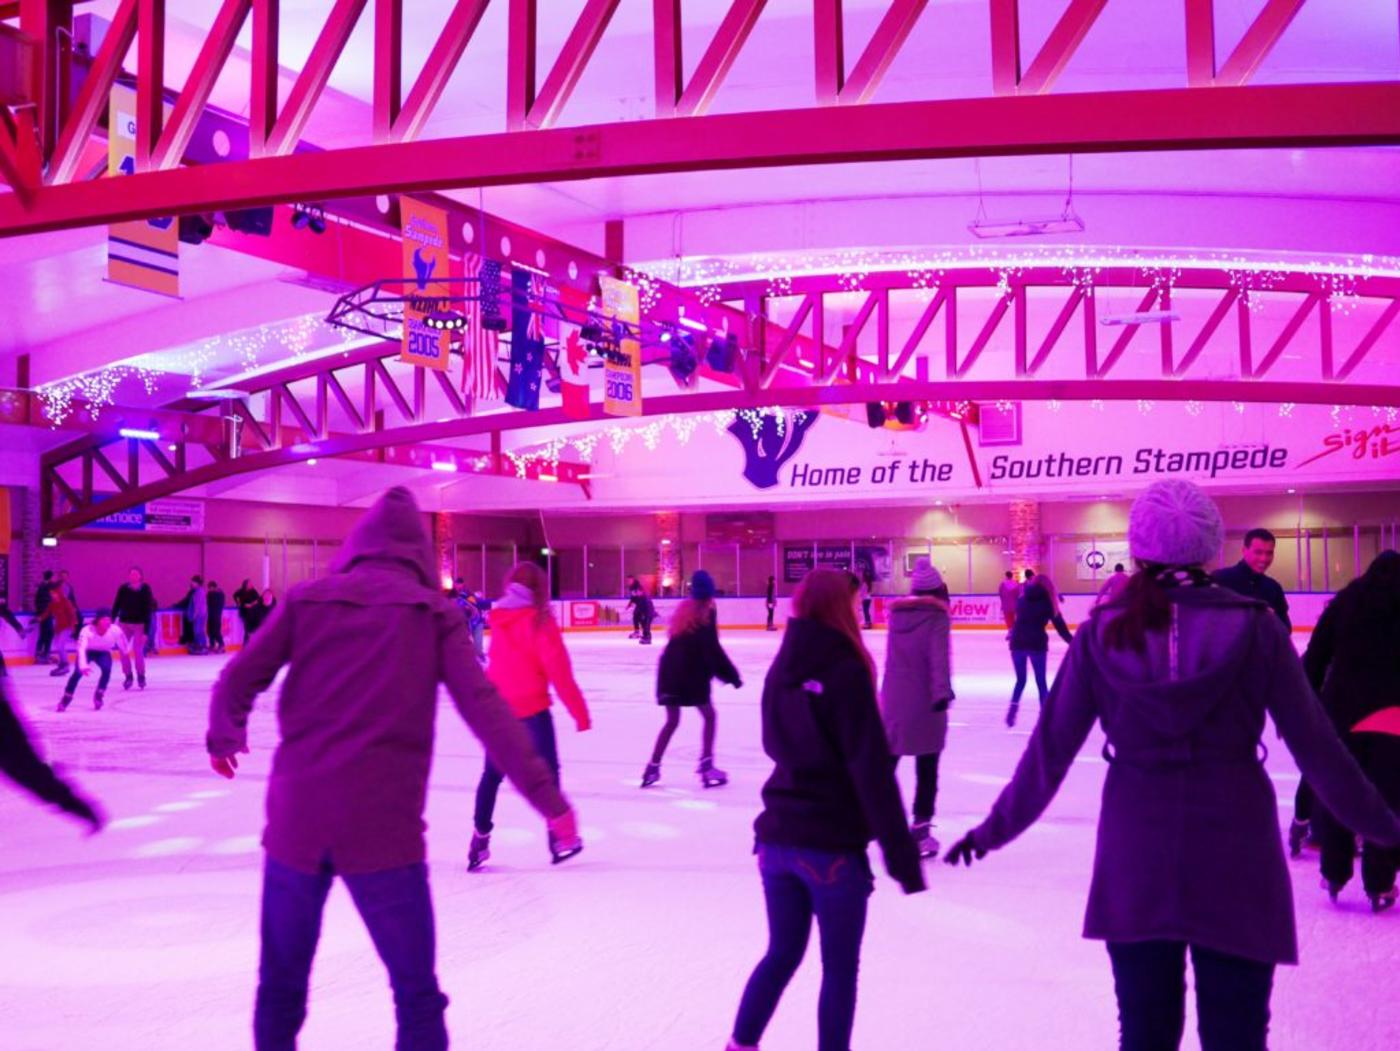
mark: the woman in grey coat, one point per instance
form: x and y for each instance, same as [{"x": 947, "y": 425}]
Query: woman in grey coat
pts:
[
  {"x": 918, "y": 689},
  {"x": 1181, "y": 674}
]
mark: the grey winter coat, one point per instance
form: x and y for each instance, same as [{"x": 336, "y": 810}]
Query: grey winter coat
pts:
[
  {"x": 1188, "y": 844},
  {"x": 918, "y": 687}
]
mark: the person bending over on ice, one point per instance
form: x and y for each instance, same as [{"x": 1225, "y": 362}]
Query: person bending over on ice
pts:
[
  {"x": 366, "y": 648},
  {"x": 692, "y": 658},
  {"x": 95, "y": 645},
  {"x": 527, "y": 657},
  {"x": 1181, "y": 674},
  {"x": 831, "y": 792}
]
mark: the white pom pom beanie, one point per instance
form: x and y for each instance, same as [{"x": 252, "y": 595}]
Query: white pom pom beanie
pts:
[{"x": 1175, "y": 523}]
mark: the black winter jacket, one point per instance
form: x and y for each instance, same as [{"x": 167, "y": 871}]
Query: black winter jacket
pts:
[
  {"x": 1034, "y": 611},
  {"x": 833, "y": 785},
  {"x": 688, "y": 664},
  {"x": 133, "y": 605},
  {"x": 1353, "y": 659},
  {"x": 1242, "y": 580}
]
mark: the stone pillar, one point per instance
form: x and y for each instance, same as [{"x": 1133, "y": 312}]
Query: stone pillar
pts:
[
  {"x": 1024, "y": 536},
  {"x": 668, "y": 554},
  {"x": 443, "y": 543}
]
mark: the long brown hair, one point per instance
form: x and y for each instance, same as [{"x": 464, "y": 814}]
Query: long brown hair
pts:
[
  {"x": 1142, "y": 607},
  {"x": 689, "y": 615},
  {"x": 534, "y": 578},
  {"x": 826, "y": 596}
]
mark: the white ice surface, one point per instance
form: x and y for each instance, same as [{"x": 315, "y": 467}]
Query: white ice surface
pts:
[{"x": 146, "y": 936}]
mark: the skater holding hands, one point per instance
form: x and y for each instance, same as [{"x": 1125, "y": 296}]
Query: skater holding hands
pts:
[
  {"x": 692, "y": 658},
  {"x": 831, "y": 792}
]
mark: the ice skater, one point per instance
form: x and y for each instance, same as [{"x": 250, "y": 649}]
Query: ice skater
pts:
[
  {"x": 61, "y": 618},
  {"x": 21, "y": 762},
  {"x": 645, "y": 615},
  {"x": 692, "y": 657},
  {"x": 770, "y": 603},
  {"x": 1352, "y": 662},
  {"x": 95, "y": 645},
  {"x": 634, "y": 593},
  {"x": 1037, "y": 607},
  {"x": 367, "y": 646},
  {"x": 831, "y": 792},
  {"x": 918, "y": 689},
  {"x": 527, "y": 658},
  {"x": 134, "y": 610},
  {"x": 1181, "y": 674}
]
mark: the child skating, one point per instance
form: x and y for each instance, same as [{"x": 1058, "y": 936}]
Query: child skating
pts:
[
  {"x": 95, "y": 645},
  {"x": 692, "y": 658}
]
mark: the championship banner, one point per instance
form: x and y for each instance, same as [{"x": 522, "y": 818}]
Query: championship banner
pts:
[
  {"x": 573, "y": 358},
  {"x": 622, "y": 367},
  {"x": 425, "y": 256},
  {"x": 146, "y": 253}
]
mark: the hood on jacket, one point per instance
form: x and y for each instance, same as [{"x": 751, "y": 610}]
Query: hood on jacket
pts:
[
  {"x": 517, "y": 596},
  {"x": 810, "y": 650},
  {"x": 1213, "y": 651},
  {"x": 910, "y": 616},
  {"x": 390, "y": 531}
]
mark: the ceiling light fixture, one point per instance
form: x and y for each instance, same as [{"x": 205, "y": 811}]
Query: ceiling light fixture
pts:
[
  {"x": 1141, "y": 317},
  {"x": 140, "y": 435}
]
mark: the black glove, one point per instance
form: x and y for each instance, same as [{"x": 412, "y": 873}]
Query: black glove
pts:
[
  {"x": 964, "y": 850},
  {"x": 85, "y": 811}
]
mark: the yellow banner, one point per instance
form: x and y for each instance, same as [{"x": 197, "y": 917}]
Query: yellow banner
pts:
[
  {"x": 146, "y": 253},
  {"x": 426, "y": 258},
  {"x": 622, "y": 368}
]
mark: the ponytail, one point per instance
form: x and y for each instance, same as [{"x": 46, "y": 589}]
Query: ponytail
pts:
[{"x": 1142, "y": 607}]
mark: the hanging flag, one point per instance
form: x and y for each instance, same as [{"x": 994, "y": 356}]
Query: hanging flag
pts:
[
  {"x": 480, "y": 346},
  {"x": 526, "y": 346},
  {"x": 425, "y": 256},
  {"x": 144, "y": 253},
  {"x": 573, "y": 357},
  {"x": 622, "y": 368}
]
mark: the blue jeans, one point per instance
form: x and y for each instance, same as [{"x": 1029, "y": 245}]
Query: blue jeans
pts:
[
  {"x": 1232, "y": 997},
  {"x": 799, "y": 883},
  {"x": 102, "y": 660},
  {"x": 1037, "y": 659},
  {"x": 540, "y": 727},
  {"x": 398, "y": 911}
]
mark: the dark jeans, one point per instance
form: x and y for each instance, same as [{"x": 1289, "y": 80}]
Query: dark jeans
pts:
[
  {"x": 103, "y": 660},
  {"x": 216, "y": 632},
  {"x": 398, "y": 911},
  {"x": 45, "y": 642},
  {"x": 925, "y": 785},
  {"x": 798, "y": 884},
  {"x": 772, "y": 608},
  {"x": 1379, "y": 756},
  {"x": 541, "y": 730},
  {"x": 865, "y": 604},
  {"x": 1232, "y": 997},
  {"x": 645, "y": 624},
  {"x": 1303, "y": 801},
  {"x": 1037, "y": 661}
]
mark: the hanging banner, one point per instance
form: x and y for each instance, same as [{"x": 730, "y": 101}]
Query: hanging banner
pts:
[
  {"x": 425, "y": 256},
  {"x": 573, "y": 358},
  {"x": 622, "y": 367},
  {"x": 526, "y": 341},
  {"x": 143, "y": 254},
  {"x": 154, "y": 516}
]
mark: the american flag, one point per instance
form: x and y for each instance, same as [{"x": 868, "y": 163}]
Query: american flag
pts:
[{"x": 479, "y": 346}]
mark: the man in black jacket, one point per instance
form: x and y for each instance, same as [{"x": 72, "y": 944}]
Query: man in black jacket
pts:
[
  {"x": 133, "y": 609},
  {"x": 41, "y": 604},
  {"x": 1246, "y": 577}
]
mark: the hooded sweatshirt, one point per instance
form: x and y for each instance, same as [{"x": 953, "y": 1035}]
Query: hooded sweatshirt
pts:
[
  {"x": 366, "y": 647},
  {"x": 1189, "y": 847},
  {"x": 832, "y": 786},
  {"x": 528, "y": 656},
  {"x": 918, "y": 686}
]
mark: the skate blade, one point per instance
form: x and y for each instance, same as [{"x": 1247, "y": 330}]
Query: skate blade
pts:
[{"x": 561, "y": 856}]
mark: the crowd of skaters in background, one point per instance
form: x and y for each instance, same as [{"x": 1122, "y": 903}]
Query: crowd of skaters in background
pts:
[{"x": 1178, "y": 667}]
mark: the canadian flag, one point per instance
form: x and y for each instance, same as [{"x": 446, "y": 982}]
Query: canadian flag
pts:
[{"x": 573, "y": 358}]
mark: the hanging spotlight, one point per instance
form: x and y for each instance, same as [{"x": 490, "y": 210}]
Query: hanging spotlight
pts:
[
  {"x": 684, "y": 361},
  {"x": 723, "y": 355},
  {"x": 875, "y": 414},
  {"x": 195, "y": 229},
  {"x": 309, "y": 217}
]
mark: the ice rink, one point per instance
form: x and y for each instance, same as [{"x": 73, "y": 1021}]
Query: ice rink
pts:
[{"x": 145, "y": 937}]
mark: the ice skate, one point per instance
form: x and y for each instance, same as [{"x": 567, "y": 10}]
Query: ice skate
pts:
[
  {"x": 1011, "y": 713},
  {"x": 735, "y": 1046},
  {"x": 126, "y": 682},
  {"x": 634, "y": 634},
  {"x": 59, "y": 669},
  {"x": 97, "y": 700},
  {"x": 924, "y": 840},
  {"x": 1297, "y": 836},
  {"x": 140, "y": 682},
  {"x": 651, "y": 774},
  {"x": 1384, "y": 900},
  {"x": 562, "y": 849},
  {"x": 711, "y": 776},
  {"x": 64, "y": 703},
  {"x": 1332, "y": 889},
  {"x": 479, "y": 852}
]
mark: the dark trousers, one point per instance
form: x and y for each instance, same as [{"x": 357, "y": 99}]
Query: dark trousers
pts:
[
  {"x": 216, "y": 632},
  {"x": 540, "y": 727},
  {"x": 103, "y": 660},
  {"x": 45, "y": 642},
  {"x": 1379, "y": 756},
  {"x": 1037, "y": 662},
  {"x": 673, "y": 721},
  {"x": 645, "y": 625},
  {"x": 925, "y": 785},
  {"x": 1232, "y": 997},
  {"x": 1303, "y": 801},
  {"x": 398, "y": 911},
  {"x": 865, "y": 604},
  {"x": 772, "y": 608},
  {"x": 798, "y": 884}
]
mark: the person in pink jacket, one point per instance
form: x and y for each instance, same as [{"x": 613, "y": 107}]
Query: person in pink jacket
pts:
[
  {"x": 365, "y": 648},
  {"x": 527, "y": 657}
]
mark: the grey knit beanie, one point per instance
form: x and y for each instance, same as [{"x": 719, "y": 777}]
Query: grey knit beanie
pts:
[
  {"x": 925, "y": 576},
  {"x": 1176, "y": 524}
]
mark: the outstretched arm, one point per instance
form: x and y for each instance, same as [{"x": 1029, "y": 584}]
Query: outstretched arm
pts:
[
  {"x": 22, "y": 764},
  {"x": 249, "y": 673}
]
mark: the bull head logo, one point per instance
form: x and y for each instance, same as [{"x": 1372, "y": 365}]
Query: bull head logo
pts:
[{"x": 770, "y": 443}]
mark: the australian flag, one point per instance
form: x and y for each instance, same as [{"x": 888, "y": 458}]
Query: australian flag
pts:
[{"x": 526, "y": 346}]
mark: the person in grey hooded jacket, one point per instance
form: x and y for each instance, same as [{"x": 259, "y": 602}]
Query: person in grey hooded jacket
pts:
[
  {"x": 366, "y": 648},
  {"x": 918, "y": 689},
  {"x": 1181, "y": 674}
]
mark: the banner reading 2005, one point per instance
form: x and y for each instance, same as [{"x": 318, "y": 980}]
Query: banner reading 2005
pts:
[
  {"x": 622, "y": 367},
  {"x": 425, "y": 256}
]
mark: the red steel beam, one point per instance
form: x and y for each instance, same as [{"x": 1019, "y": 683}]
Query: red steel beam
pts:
[
  {"x": 442, "y": 60},
  {"x": 91, "y": 102},
  {"x": 1006, "y": 45},
  {"x": 1364, "y": 347},
  {"x": 312, "y": 80},
  {"x": 388, "y": 67},
  {"x": 666, "y": 45},
  {"x": 1060, "y": 46},
  {"x": 44, "y": 22},
  {"x": 984, "y": 337},
  {"x": 1259, "y": 39},
  {"x": 521, "y": 57},
  {"x": 569, "y": 66},
  {"x": 263, "y": 93},
  {"x": 1091, "y": 122},
  {"x": 719, "y": 57},
  {"x": 785, "y": 344},
  {"x": 875, "y": 60},
  {"x": 1200, "y": 43},
  {"x": 1286, "y": 336},
  {"x": 829, "y": 40},
  {"x": 20, "y": 163},
  {"x": 194, "y": 96},
  {"x": 150, "y": 80}
]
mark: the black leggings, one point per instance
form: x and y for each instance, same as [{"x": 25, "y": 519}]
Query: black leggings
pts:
[
  {"x": 925, "y": 785},
  {"x": 103, "y": 660},
  {"x": 673, "y": 720}
]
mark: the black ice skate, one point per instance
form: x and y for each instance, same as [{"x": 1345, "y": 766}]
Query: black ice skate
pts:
[
  {"x": 1297, "y": 836},
  {"x": 58, "y": 669},
  {"x": 140, "y": 682},
  {"x": 651, "y": 774},
  {"x": 561, "y": 849},
  {"x": 711, "y": 776},
  {"x": 64, "y": 703},
  {"x": 97, "y": 700},
  {"x": 1011, "y": 713},
  {"x": 126, "y": 683},
  {"x": 479, "y": 852},
  {"x": 1384, "y": 900},
  {"x": 1332, "y": 889},
  {"x": 923, "y": 839}
]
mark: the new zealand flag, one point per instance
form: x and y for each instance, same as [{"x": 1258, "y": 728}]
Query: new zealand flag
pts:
[{"x": 526, "y": 347}]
